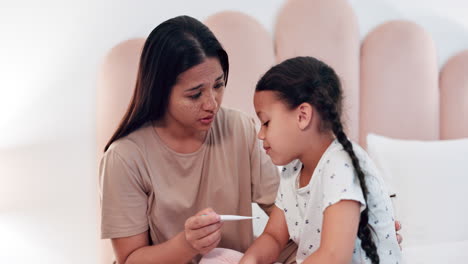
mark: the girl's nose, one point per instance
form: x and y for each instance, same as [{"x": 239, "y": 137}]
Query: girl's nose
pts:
[{"x": 261, "y": 134}]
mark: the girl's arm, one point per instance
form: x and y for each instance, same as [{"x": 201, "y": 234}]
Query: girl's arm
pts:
[
  {"x": 267, "y": 247},
  {"x": 339, "y": 232}
]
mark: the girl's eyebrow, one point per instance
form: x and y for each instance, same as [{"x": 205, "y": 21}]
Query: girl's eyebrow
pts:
[{"x": 261, "y": 115}]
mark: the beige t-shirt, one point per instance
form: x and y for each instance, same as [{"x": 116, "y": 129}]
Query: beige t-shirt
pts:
[{"x": 146, "y": 185}]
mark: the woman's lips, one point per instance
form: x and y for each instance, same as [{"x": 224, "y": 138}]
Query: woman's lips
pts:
[
  {"x": 207, "y": 120},
  {"x": 267, "y": 149}
]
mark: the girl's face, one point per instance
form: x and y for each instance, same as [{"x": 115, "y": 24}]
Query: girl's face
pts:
[
  {"x": 196, "y": 97},
  {"x": 279, "y": 128}
]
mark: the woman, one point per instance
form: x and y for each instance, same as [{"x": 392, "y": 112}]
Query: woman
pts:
[
  {"x": 176, "y": 153},
  {"x": 177, "y": 157}
]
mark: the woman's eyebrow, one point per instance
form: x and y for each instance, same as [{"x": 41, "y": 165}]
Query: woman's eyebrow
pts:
[
  {"x": 220, "y": 77},
  {"x": 201, "y": 85},
  {"x": 194, "y": 88}
]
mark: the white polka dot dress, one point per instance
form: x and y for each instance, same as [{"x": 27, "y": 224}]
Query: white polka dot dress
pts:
[{"x": 333, "y": 180}]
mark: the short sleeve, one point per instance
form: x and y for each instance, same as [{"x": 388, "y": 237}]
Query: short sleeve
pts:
[
  {"x": 265, "y": 176},
  {"x": 339, "y": 181},
  {"x": 123, "y": 198}
]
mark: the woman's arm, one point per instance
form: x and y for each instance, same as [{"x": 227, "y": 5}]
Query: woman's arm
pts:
[
  {"x": 268, "y": 246},
  {"x": 136, "y": 249},
  {"x": 202, "y": 233},
  {"x": 339, "y": 232}
]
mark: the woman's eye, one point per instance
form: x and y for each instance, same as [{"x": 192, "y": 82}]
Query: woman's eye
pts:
[
  {"x": 219, "y": 85},
  {"x": 195, "y": 96},
  {"x": 266, "y": 123}
]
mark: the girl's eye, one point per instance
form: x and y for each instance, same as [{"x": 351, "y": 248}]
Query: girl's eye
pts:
[
  {"x": 266, "y": 123},
  {"x": 195, "y": 96}
]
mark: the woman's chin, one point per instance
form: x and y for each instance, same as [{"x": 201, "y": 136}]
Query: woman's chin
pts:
[{"x": 203, "y": 128}]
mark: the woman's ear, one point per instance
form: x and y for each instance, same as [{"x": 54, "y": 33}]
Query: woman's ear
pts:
[{"x": 304, "y": 115}]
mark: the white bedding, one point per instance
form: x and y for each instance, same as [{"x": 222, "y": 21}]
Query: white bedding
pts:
[{"x": 437, "y": 253}]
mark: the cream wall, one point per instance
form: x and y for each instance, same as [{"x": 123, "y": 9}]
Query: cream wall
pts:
[{"x": 50, "y": 52}]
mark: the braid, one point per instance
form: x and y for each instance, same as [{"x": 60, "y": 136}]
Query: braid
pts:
[
  {"x": 364, "y": 230},
  {"x": 306, "y": 79}
]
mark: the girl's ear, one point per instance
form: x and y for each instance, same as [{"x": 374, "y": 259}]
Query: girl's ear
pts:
[{"x": 304, "y": 115}]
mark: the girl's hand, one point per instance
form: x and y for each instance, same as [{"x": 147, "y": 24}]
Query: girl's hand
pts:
[{"x": 203, "y": 231}]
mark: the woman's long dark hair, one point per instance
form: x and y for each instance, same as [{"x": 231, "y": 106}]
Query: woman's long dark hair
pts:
[
  {"x": 308, "y": 80},
  {"x": 171, "y": 48}
]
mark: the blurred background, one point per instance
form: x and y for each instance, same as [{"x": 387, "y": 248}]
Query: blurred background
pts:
[{"x": 50, "y": 56}]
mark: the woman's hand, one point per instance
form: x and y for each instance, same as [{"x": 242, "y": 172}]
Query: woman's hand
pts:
[
  {"x": 398, "y": 236},
  {"x": 203, "y": 231}
]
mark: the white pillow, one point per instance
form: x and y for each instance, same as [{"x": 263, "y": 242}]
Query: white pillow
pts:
[
  {"x": 430, "y": 179},
  {"x": 446, "y": 253}
]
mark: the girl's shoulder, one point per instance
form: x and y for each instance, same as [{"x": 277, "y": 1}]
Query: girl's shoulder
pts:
[
  {"x": 336, "y": 152},
  {"x": 289, "y": 171},
  {"x": 337, "y": 156}
]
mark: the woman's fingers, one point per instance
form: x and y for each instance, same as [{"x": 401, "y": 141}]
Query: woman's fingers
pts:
[
  {"x": 205, "y": 211},
  {"x": 200, "y": 221},
  {"x": 209, "y": 242},
  {"x": 397, "y": 225},
  {"x": 203, "y": 231},
  {"x": 201, "y": 239},
  {"x": 399, "y": 238}
]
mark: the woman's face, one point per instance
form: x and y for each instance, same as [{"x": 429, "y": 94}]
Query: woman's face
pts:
[{"x": 196, "y": 97}]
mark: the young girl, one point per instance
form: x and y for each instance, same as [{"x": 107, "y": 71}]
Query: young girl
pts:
[{"x": 331, "y": 200}]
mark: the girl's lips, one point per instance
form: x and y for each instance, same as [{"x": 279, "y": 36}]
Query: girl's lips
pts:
[{"x": 267, "y": 149}]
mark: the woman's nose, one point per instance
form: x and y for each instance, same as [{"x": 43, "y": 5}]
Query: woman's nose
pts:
[{"x": 210, "y": 101}]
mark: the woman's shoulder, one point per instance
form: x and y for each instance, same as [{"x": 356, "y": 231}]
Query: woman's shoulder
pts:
[
  {"x": 231, "y": 115},
  {"x": 234, "y": 121},
  {"x": 131, "y": 144}
]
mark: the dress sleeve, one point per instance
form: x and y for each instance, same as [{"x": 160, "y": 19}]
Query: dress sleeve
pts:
[
  {"x": 123, "y": 198},
  {"x": 339, "y": 181}
]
